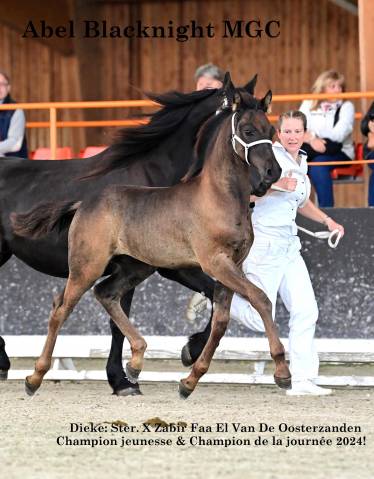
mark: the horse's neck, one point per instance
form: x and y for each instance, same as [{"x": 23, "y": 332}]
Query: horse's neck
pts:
[{"x": 226, "y": 173}]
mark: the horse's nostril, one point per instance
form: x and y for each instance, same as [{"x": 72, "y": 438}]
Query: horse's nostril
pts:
[{"x": 269, "y": 172}]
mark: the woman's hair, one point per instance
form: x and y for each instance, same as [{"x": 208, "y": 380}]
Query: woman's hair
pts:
[
  {"x": 210, "y": 70},
  {"x": 321, "y": 82},
  {"x": 299, "y": 115}
]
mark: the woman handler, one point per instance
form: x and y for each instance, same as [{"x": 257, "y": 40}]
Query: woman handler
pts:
[{"x": 274, "y": 262}]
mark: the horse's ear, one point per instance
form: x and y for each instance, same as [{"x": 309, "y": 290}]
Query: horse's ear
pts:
[
  {"x": 250, "y": 86},
  {"x": 236, "y": 102},
  {"x": 265, "y": 102},
  {"x": 228, "y": 88}
]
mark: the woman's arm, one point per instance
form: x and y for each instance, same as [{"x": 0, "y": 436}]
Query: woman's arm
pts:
[
  {"x": 16, "y": 132},
  {"x": 344, "y": 126},
  {"x": 311, "y": 211},
  {"x": 286, "y": 183}
]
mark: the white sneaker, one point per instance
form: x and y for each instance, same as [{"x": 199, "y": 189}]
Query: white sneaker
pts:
[
  {"x": 307, "y": 388},
  {"x": 197, "y": 304}
]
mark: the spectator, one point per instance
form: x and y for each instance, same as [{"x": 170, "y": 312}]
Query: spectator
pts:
[
  {"x": 329, "y": 136},
  {"x": 12, "y": 124},
  {"x": 367, "y": 129},
  {"x": 209, "y": 76}
]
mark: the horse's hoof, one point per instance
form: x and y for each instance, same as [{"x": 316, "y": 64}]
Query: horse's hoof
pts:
[
  {"x": 283, "y": 383},
  {"x": 132, "y": 373},
  {"x": 184, "y": 392},
  {"x": 30, "y": 388},
  {"x": 186, "y": 356},
  {"x": 3, "y": 375},
  {"x": 128, "y": 392}
]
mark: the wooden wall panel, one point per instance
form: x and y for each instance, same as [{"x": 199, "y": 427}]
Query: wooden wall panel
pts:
[
  {"x": 314, "y": 36},
  {"x": 39, "y": 73}
]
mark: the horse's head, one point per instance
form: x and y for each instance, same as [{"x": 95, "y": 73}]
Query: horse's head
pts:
[{"x": 251, "y": 135}]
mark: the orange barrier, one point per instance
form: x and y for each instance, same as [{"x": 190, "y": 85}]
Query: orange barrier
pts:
[
  {"x": 62, "y": 153},
  {"x": 338, "y": 163},
  {"x": 91, "y": 151},
  {"x": 54, "y": 106}
]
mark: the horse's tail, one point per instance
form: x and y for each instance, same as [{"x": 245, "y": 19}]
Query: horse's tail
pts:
[{"x": 42, "y": 219}]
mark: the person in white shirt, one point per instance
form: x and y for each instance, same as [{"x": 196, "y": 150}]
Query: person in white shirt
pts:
[
  {"x": 329, "y": 136},
  {"x": 274, "y": 262}
]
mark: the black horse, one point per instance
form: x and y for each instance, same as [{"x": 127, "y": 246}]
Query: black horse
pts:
[{"x": 157, "y": 154}]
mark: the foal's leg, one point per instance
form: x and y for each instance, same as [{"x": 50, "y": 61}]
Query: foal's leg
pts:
[
  {"x": 221, "y": 317},
  {"x": 109, "y": 292},
  {"x": 228, "y": 273},
  {"x": 63, "y": 305},
  {"x": 89, "y": 254}
]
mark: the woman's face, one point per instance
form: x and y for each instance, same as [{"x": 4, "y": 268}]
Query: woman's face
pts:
[
  {"x": 291, "y": 134},
  {"x": 4, "y": 87},
  {"x": 206, "y": 82},
  {"x": 333, "y": 86}
]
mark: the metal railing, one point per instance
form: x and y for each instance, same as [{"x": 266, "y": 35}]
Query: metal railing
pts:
[{"x": 53, "y": 108}]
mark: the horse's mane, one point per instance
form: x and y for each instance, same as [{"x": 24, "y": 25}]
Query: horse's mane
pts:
[
  {"x": 131, "y": 142},
  {"x": 208, "y": 132}
]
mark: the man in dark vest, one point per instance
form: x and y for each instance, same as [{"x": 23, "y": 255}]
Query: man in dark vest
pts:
[{"x": 12, "y": 124}]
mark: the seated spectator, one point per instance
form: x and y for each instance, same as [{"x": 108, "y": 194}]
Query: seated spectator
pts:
[
  {"x": 12, "y": 124},
  {"x": 209, "y": 76},
  {"x": 367, "y": 129},
  {"x": 329, "y": 136}
]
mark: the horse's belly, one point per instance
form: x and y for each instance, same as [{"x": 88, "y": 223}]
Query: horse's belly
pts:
[
  {"x": 161, "y": 253},
  {"x": 51, "y": 259}
]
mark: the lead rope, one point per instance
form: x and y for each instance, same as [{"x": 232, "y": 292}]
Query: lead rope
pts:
[{"x": 329, "y": 235}]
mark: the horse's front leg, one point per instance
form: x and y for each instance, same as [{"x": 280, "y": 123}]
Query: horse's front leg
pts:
[
  {"x": 220, "y": 319},
  {"x": 228, "y": 273},
  {"x": 4, "y": 361},
  {"x": 200, "y": 282}
]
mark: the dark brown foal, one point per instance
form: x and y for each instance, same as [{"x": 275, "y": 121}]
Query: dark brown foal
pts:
[{"x": 203, "y": 221}]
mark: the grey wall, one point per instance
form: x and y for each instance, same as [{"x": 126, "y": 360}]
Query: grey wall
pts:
[{"x": 342, "y": 279}]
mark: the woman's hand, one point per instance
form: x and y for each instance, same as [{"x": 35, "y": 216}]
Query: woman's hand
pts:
[
  {"x": 333, "y": 225},
  {"x": 309, "y": 136},
  {"x": 287, "y": 182},
  {"x": 318, "y": 144}
]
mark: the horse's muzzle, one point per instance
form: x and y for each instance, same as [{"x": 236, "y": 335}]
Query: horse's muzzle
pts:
[{"x": 261, "y": 189}]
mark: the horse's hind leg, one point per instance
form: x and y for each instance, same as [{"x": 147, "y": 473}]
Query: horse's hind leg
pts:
[
  {"x": 200, "y": 282},
  {"x": 221, "y": 317},
  {"x": 4, "y": 359},
  {"x": 109, "y": 292},
  {"x": 63, "y": 305}
]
